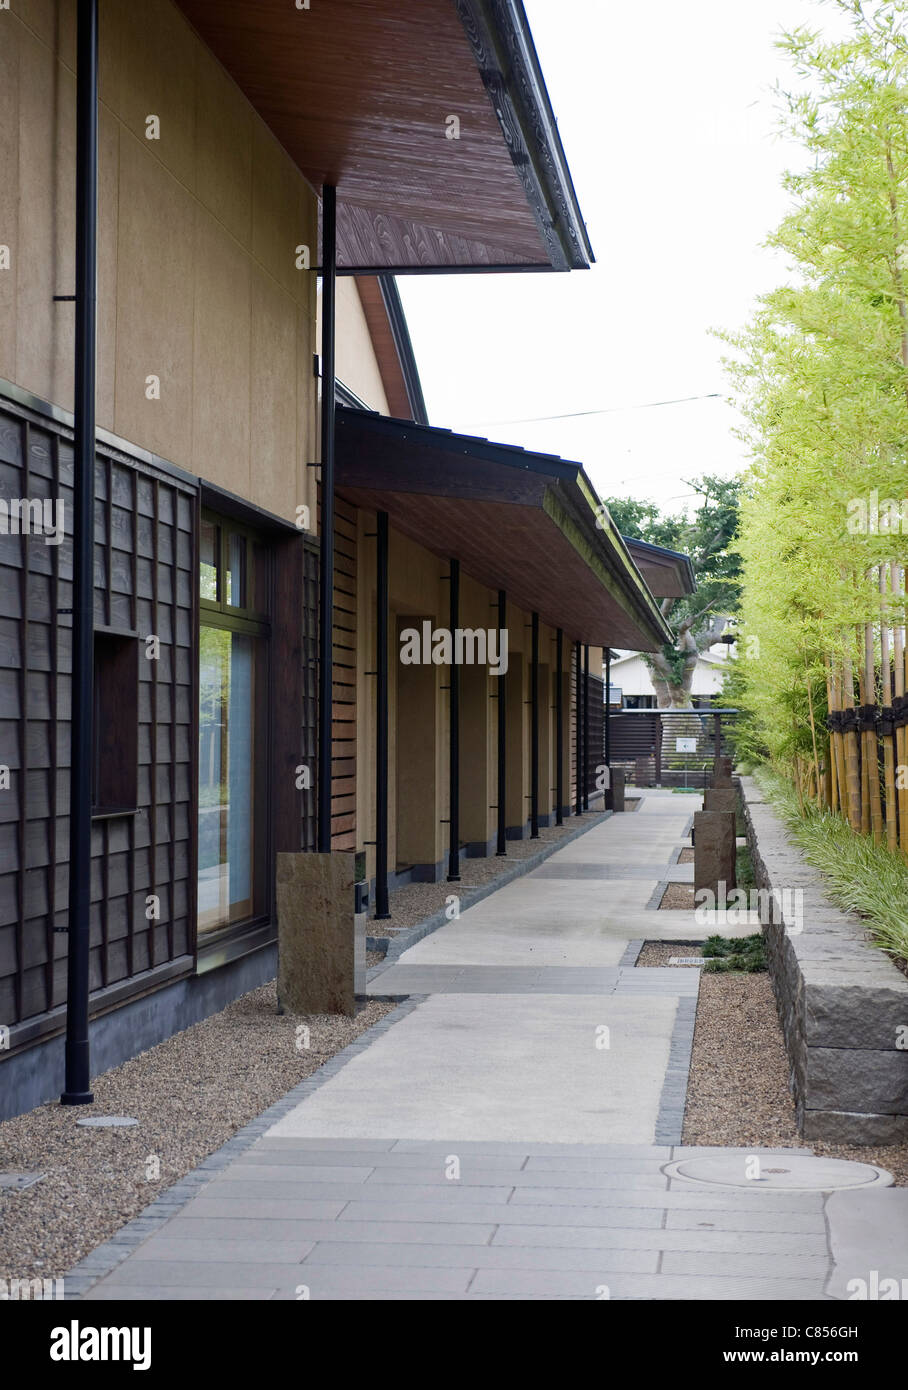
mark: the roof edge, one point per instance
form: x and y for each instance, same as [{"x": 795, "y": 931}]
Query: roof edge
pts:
[{"x": 499, "y": 35}]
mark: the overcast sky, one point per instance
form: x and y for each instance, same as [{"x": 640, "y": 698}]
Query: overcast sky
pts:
[{"x": 669, "y": 124}]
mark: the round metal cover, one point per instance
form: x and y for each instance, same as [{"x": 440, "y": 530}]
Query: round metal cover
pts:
[
  {"x": 107, "y": 1121},
  {"x": 776, "y": 1172}
]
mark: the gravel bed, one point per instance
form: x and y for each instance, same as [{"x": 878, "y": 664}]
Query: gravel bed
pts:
[
  {"x": 374, "y": 958},
  {"x": 416, "y": 901},
  {"x": 687, "y": 855},
  {"x": 678, "y": 895},
  {"x": 738, "y": 1090},
  {"x": 189, "y": 1094},
  {"x": 658, "y": 953}
]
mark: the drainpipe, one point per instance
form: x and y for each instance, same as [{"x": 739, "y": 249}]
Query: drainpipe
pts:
[
  {"x": 382, "y": 909},
  {"x": 454, "y": 733},
  {"x": 586, "y": 727},
  {"x": 534, "y": 730},
  {"x": 559, "y": 730},
  {"x": 578, "y": 731},
  {"x": 77, "y": 1057},
  {"x": 326, "y": 525},
  {"x": 502, "y": 847},
  {"x": 608, "y": 707}
]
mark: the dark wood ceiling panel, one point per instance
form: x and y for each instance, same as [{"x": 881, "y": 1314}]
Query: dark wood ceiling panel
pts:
[
  {"x": 358, "y": 92},
  {"x": 517, "y": 548}
]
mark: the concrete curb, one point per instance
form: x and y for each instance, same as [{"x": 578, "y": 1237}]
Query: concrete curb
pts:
[{"x": 673, "y": 1100}]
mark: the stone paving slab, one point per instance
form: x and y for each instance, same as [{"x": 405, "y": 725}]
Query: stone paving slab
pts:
[{"x": 405, "y": 979}]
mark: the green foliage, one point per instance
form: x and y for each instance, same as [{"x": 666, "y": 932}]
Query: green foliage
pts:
[
  {"x": 707, "y": 537},
  {"x": 821, "y": 376},
  {"x": 861, "y": 876},
  {"x": 746, "y": 953}
]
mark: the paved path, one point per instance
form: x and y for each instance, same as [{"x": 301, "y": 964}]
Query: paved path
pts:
[{"x": 502, "y": 1134}]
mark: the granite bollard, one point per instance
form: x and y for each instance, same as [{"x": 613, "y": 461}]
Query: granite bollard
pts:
[
  {"x": 714, "y": 851},
  {"x": 614, "y": 794},
  {"x": 316, "y": 938},
  {"x": 720, "y": 799}
]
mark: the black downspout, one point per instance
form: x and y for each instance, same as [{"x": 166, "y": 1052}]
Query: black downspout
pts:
[
  {"x": 77, "y": 1084},
  {"x": 326, "y": 523},
  {"x": 578, "y": 732},
  {"x": 382, "y": 909},
  {"x": 559, "y": 731},
  {"x": 454, "y": 733},
  {"x": 502, "y": 848},
  {"x": 534, "y": 730},
  {"x": 586, "y": 728},
  {"x": 607, "y": 744}
]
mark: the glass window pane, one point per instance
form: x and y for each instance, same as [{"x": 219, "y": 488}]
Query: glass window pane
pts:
[
  {"x": 226, "y": 777},
  {"x": 236, "y": 570},
  {"x": 209, "y": 541}
]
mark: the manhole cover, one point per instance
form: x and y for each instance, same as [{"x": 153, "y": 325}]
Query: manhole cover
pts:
[
  {"x": 802, "y": 1173},
  {"x": 17, "y": 1182},
  {"x": 107, "y": 1121}
]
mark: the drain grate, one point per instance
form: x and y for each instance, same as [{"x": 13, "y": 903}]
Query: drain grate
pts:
[
  {"x": 18, "y": 1182},
  {"x": 805, "y": 1172}
]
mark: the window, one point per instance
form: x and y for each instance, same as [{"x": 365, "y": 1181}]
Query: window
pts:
[
  {"x": 233, "y": 828},
  {"x": 115, "y": 772}
]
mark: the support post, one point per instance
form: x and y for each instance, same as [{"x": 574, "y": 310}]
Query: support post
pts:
[
  {"x": 578, "y": 731},
  {"x": 326, "y": 522},
  {"x": 502, "y": 798},
  {"x": 586, "y": 727},
  {"x": 77, "y": 1084},
  {"x": 534, "y": 729},
  {"x": 607, "y": 737},
  {"x": 559, "y": 729},
  {"x": 382, "y": 910},
  {"x": 454, "y": 732}
]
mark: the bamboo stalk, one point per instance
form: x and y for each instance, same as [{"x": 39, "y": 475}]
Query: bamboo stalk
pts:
[
  {"x": 832, "y": 769},
  {"x": 813, "y": 729},
  {"x": 887, "y": 739},
  {"x": 901, "y": 734},
  {"x": 869, "y": 746},
  {"x": 852, "y": 758}
]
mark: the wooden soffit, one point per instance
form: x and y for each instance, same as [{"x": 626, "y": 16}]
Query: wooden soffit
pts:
[
  {"x": 359, "y": 92},
  {"x": 668, "y": 573},
  {"x": 517, "y": 521}
]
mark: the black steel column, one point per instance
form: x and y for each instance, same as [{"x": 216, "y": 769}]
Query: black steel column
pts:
[
  {"x": 578, "y": 731},
  {"x": 608, "y": 707},
  {"x": 502, "y": 798},
  {"x": 534, "y": 731},
  {"x": 586, "y": 727},
  {"x": 381, "y": 733},
  {"x": 326, "y": 522},
  {"x": 559, "y": 730},
  {"x": 454, "y": 732},
  {"x": 77, "y": 1058}
]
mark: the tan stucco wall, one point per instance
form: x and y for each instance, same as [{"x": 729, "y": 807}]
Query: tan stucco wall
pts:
[
  {"x": 418, "y": 800},
  {"x": 354, "y": 358},
  {"x": 197, "y": 236}
]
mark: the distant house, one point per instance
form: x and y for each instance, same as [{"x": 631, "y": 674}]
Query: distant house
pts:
[{"x": 631, "y": 675}]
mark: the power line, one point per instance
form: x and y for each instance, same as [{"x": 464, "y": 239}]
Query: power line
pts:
[{"x": 609, "y": 410}]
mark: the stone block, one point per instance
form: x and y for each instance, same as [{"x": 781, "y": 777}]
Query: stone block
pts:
[
  {"x": 614, "y": 796},
  {"x": 714, "y": 850},
  {"x": 720, "y": 799},
  {"x": 316, "y": 937}
]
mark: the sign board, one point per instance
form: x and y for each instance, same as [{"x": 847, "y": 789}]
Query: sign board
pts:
[{"x": 685, "y": 745}]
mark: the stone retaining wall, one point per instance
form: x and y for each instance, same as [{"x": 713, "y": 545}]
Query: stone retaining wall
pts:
[{"x": 841, "y": 1000}]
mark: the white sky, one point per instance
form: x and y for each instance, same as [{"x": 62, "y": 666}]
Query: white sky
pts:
[{"x": 669, "y": 125}]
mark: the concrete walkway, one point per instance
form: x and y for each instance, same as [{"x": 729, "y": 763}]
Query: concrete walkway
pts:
[{"x": 502, "y": 1134}]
